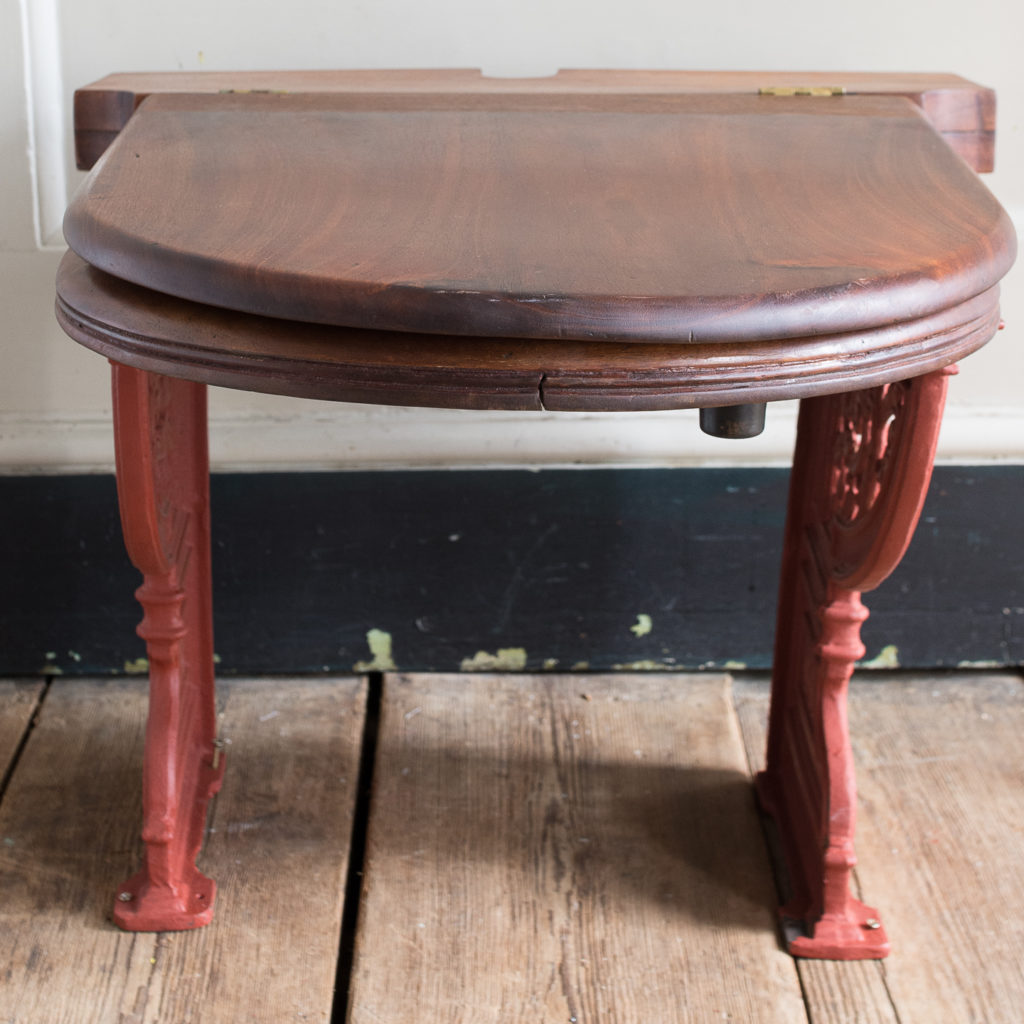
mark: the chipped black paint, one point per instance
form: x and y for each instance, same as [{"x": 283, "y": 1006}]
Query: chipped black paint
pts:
[{"x": 560, "y": 563}]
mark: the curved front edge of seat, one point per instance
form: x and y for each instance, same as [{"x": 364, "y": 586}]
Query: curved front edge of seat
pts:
[{"x": 159, "y": 333}]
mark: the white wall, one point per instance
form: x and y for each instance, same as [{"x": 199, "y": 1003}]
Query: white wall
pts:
[{"x": 54, "y": 407}]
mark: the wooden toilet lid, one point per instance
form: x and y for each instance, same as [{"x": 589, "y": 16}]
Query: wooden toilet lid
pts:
[{"x": 682, "y": 219}]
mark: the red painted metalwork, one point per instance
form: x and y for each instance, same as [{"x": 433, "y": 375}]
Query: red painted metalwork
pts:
[
  {"x": 860, "y": 473},
  {"x": 757, "y": 330},
  {"x": 861, "y": 470},
  {"x": 163, "y": 489}
]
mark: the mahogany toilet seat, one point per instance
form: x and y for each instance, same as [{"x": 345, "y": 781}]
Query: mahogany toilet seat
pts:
[{"x": 594, "y": 241}]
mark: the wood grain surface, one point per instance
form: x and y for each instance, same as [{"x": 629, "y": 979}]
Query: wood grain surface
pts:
[
  {"x": 939, "y": 778},
  {"x": 18, "y": 703},
  {"x": 962, "y": 111},
  {"x": 552, "y": 848},
  {"x": 278, "y": 846},
  {"x": 832, "y": 988},
  {"x": 940, "y": 782},
  {"x": 184, "y": 339},
  {"x": 724, "y": 219}
]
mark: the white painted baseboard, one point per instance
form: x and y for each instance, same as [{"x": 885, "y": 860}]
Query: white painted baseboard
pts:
[{"x": 379, "y": 438}]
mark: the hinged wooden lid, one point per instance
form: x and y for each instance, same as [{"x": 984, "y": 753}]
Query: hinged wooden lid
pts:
[{"x": 682, "y": 219}]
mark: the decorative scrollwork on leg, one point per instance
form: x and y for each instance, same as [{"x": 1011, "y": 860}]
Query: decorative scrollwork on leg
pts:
[
  {"x": 162, "y": 479},
  {"x": 860, "y": 474},
  {"x": 886, "y": 440},
  {"x": 867, "y": 433}
]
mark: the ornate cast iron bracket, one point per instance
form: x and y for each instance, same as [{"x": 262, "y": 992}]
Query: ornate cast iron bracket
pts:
[
  {"x": 860, "y": 473},
  {"x": 862, "y": 466},
  {"x": 163, "y": 488}
]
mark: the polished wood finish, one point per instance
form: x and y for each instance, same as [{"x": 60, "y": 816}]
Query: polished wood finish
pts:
[
  {"x": 717, "y": 222},
  {"x": 596, "y": 248},
  {"x": 155, "y": 332},
  {"x": 963, "y": 112}
]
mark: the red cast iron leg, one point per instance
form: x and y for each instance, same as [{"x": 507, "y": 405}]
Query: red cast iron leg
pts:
[
  {"x": 163, "y": 489},
  {"x": 860, "y": 473}
]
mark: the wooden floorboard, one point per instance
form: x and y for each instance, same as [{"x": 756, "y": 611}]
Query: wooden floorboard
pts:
[
  {"x": 19, "y": 700},
  {"x": 565, "y": 849},
  {"x": 940, "y": 844},
  {"x": 836, "y": 993},
  {"x": 541, "y": 848},
  {"x": 278, "y": 848}
]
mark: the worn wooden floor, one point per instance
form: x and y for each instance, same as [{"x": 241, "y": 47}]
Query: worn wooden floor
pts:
[{"x": 536, "y": 849}]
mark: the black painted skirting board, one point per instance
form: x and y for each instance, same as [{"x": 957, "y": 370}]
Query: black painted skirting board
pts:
[{"x": 557, "y": 569}]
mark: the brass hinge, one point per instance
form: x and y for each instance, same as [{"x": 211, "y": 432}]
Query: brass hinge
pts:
[{"x": 801, "y": 90}]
